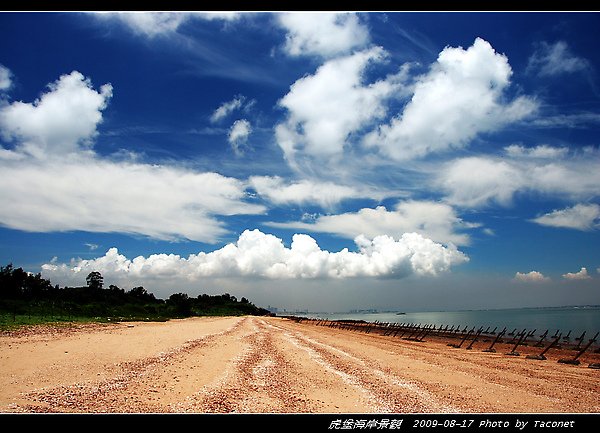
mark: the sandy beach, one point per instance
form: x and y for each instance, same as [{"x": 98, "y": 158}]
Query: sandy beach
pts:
[{"x": 276, "y": 365}]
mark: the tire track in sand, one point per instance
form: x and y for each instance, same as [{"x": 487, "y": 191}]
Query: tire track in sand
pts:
[
  {"x": 383, "y": 392},
  {"x": 260, "y": 380},
  {"x": 260, "y": 371}
]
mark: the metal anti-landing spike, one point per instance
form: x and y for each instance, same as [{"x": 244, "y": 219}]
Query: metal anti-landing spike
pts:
[
  {"x": 579, "y": 340},
  {"x": 421, "y": 339},
  {"x": 457, "y": 346},
  {"x": 399, "y": 328},
  {"x": 529, "y": 334},
  {"x": 414, "y": 332},
  {"x": 491, "y": 348},
  {"x": 415, "y": 335},
  {"x": 575, "y": 361},
  {"x": 513, "y": 351},
  {"x": 541, "y": 356},
  {"x": 410, "y": 329},
  {"x": 542, "y": 338},
  {"x": 479, "y": 331}
]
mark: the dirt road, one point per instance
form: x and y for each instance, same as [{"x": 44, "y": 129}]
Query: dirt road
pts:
[{"x": 273, "y": 365}]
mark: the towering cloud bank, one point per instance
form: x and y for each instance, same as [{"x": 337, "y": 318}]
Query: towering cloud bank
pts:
[{"x": 256, "y": 254}]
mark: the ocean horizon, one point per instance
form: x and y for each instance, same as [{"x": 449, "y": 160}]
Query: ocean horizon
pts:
[{"x": 569, "y": 320}]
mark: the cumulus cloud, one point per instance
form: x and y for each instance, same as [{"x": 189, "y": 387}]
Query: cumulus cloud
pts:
[
  {"x": 531, "y": 277},
  {"x": 463, "y": 95},
  {"x": 322, "y": 34},
  {"x": 460, "y": 97},
  {"x": 581, "y": 275},
  {"x": 53, "y": 181},
  {"x": 260, "y": 255},
  {"x": 555, "y": 59},
  {"x": 62, "y": 120},
  {"x": 584, "y": 217},
  {"x": 433, "y": 220},
  {"x": 316, "y": 125},
  {"x": 238, "y": 135},
  {"x": 5, "y": 78}
]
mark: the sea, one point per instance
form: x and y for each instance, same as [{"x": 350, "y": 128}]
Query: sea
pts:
[{"x": 573, "y": 319}]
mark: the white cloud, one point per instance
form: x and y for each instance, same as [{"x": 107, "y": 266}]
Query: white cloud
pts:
[
  {"x": 555, "y": 59},
  {"x": 436, "y": 221},
  {"x": 149, "y": 24},
  {"x": 82, "y": 193},
  {"x": 226, "y": 108},
  {"x": 460, "y": 97},
  {"x": 156, "y": 24},
  {"x": 238, "y": 135},
  {"x": 320, "y": 119},
  {"x": 5, "y": 78},
  {"x": 542, "y": 152},
  {"x": 260, "y": 255},
  {"x": 325, "y": 194},
  {"x": 580, "y": 217},
  {"x": 221, "y": 15},
  {"x": 53, "y": 181},
  {"x": 531, "y": 277},
  {"x": 574, "y": 120},
  {"x": 577, "y": 178},
  {"x": 323, "y": 34},
  {"x": 489, "y": 232},
  {"x": 62, "y": 120},
  {"x": 581, "y": 275},
  {"x": 477, "y": 181},
  {"x": 480, "y": 181}
]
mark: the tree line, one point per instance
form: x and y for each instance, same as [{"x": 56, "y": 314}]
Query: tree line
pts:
[{"x": 24, "y": 293}]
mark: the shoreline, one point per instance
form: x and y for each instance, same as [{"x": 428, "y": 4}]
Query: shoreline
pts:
[{"x": 571, "y": 322}]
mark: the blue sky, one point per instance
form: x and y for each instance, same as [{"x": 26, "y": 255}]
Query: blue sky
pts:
[{"x": 413, "y": 161}]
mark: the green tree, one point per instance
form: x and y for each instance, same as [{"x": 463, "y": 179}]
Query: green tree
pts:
[
  {"x": 95, "y": 280},
  {"x": 181, "y": 303},
  {"x": 141, "y": 294}
]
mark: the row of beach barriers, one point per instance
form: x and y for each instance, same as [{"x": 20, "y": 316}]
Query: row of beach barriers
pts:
[{"x": 466, "y": 337}]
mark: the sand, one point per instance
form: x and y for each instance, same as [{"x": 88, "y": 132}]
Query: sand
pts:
[{"x": 275, "y": 365}]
